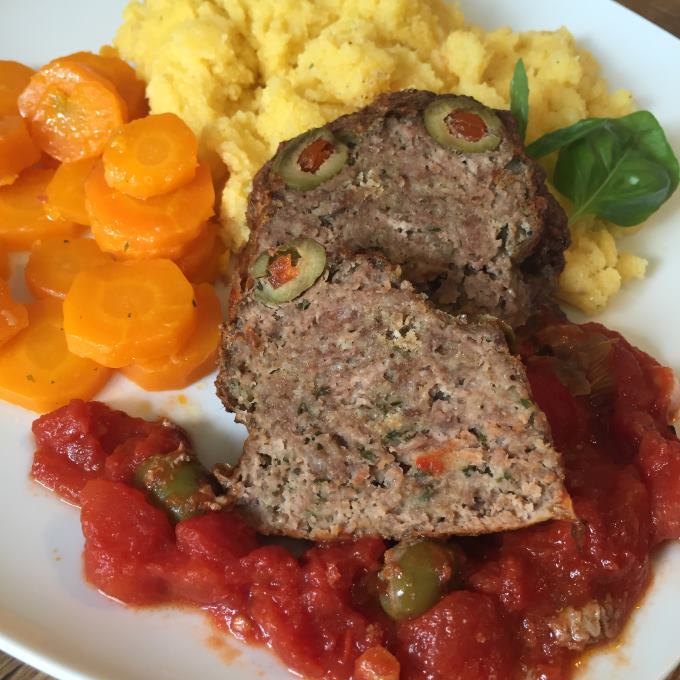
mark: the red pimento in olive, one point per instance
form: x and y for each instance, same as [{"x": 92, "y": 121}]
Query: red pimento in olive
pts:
[
  {"x": 462, "y": 124},
  {"x": 315, "y": 155},
  {"x": 311, "y": 159}
]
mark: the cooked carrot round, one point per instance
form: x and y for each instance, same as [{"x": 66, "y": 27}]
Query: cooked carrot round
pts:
[
  {"x": 197, "y": 356},
  {"x": 38, "y": 372},
  {"x": 13, "y": 316},
  {"x": 17, "y": 150},
  {"x": 13, "y": 79},
  {"x": 71, "y": 110},
  {"x": 151, "y": 156},
  {"x": 110, "y": 66},
  {"x": 4, "y": 261},
  {"x": 22, "y": 215},
  {"x": 54, "y": 263},
  {"x": 128, "y": 312},
  {"x": 202, "y": 258},
  {"x": 66, "y": 192},
  {"x": 132, "y": 228}
]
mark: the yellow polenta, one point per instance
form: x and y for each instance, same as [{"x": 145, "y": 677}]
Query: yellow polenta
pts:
[{"x": 247, "y": 74}]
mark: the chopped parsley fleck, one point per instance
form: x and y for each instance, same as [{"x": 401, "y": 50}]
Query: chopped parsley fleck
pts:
[
  {"x": 126, "y": 246},
  {"x": 468, "y": 470},
  {"x": 321, "y": 391},
  {"x": 526, "y": 403},
  {"x": 30, "y": 378},
  {"x": 303, "y": 304},
  {"x": 367, "y": 455},
  {"x": 481, "y": 437}
]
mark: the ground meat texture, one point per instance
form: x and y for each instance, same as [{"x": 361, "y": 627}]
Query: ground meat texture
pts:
[
  {"x": 371, "y": 412},
  {"x": 478, "y": 232}
]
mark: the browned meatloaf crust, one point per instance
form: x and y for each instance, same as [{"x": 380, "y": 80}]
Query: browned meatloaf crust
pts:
[
  {"x": 478, "y": 232},
  {"x": 371, "y": 412}
]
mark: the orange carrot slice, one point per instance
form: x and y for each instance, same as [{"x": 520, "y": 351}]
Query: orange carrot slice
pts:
[
  {"x": 38, "y": 372},
  {"x": 161, "y": 226},
  {"x": 128, "y": 312},
  {"x": 151, "y": 156},
  {"x": 4, "y": 262},
  {"x": 66, "y": 192},
  {"x": 202, "y": 258},
  {"x": 13, "y": 316},
  {"x": 17, "y": 150},
  {"x": 22, "y": 215},
  {"x": 110, "y": 66},
  {"x": 197, "y": 356},
  {"x": 13, "y": 79},
  {"x": 54, "y": 263},
  {"x": 71, "y": 110}
]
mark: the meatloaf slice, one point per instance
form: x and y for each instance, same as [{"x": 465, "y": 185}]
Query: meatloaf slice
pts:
[
  {"x": 369, "y": 411},
  {"x": 477, "y": 230}
]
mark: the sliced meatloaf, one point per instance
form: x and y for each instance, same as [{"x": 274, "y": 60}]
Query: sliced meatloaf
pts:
[
  {"x": 476, "y": 230},
  {"x": 370, "y": 411}
]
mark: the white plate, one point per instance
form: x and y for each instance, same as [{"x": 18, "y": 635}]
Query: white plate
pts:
[{"x": 52, "y": 619}]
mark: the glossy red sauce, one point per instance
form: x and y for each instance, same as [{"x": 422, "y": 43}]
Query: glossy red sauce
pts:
[{"x": 319, "y": 612}]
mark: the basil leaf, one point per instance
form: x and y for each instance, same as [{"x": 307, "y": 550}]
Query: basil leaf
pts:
[
  {"x": 620, "y": 169},
  {"x": 519, "y": 97},
  {"x": 552, "y": 141}
]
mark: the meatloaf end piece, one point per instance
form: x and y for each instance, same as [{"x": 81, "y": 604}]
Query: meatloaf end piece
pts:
[
  {"x": 370, "y": 411},
  {"x": 477, "y": 231}
]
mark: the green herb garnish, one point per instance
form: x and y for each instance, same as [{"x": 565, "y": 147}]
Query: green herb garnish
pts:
[
  {"x": 519, "y": 98},
  {"x": 620, "y": 169}
]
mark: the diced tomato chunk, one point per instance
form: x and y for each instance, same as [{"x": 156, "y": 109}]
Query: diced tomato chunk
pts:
[
  {"x": 117, "y": 518},
  {"x": 460, "y": 638},
  {"x": 220, "y": 537}
]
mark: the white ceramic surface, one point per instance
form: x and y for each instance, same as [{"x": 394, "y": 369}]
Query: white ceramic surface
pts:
[{"x": 52, "y": 619}]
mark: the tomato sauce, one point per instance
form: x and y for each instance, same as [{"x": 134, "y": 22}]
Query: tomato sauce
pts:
[{"x": 528, "y": 601}]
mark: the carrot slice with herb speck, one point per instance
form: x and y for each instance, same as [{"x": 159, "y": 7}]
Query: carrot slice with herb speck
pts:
[
  {"x": 54, "y": 263},
  {"x": 38, "y": 372},
  {"x": 128, "y": 312},
  {"x": 161, "y": 226},
  {"x": 196, "y": 358}
]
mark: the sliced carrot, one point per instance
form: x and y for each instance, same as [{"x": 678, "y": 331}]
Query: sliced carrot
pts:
[
  {"x": 202, "y": 258},
  {"x": 71, "y": 110},
  {"x": 17, "y": 150},
  {"x": 197, "y": 356},
  {"x": 109, "y": 65},
  {"x": 128, "y": 312},
  {"x": 54, "y": 263},
  {"x": 38, "y": 372},
  {"x": 161, "y": 226},
  {"x": 13, "y": 316},
  {"x": 66, "y": 192},
  {"x": 151, "y": 156},
  {"x": 4, "y": 262},
  {"x": 13, "y": 79},
  {"x": 22, "y": 214}
]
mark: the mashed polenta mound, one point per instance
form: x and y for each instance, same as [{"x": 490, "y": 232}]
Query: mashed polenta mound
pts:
[{"x": 248, "y": 74}]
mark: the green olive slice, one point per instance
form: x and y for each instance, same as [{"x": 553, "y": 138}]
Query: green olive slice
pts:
[
  {"x": 311, "y": 159},
  {"x": 283, "y": 274},
  {"x": 462, "y": 124},
  {"x": 415, "y": 577},
  {"x": 177, "y": 483}
]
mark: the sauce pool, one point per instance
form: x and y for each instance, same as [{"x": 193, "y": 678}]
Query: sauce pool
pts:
[{"x": 528, "y": 602}]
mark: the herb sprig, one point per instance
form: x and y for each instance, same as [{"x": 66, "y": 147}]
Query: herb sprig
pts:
[{"x": 619, "y": 169}]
